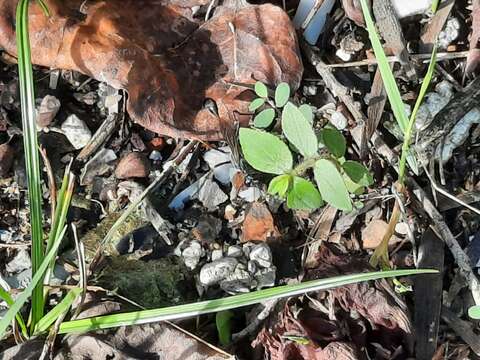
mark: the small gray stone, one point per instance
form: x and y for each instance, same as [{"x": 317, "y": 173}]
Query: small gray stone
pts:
[
  {"x": 339, "y": 120},
  {"x": 217, "y": 254},
  {"x": 247, "y": 248},
  {"x": 250, "y": 194},
  {"x": 235, "y": 251},
  {"x": 47, "y": 110},
  {"x": 211, "y": 195},
  {"x": 76, "y": 131},
  {"x": 191, "y": 252},
  {"x": 218, "y": 270},
  {"x": 21, "y": 280},
  {"x": 240, "y": 281},
  {"x": 262, "y": 254},
  {"x": 155, "y": 155},
  {"x": 265, "y": 277},
  {"x": 20, "y": 262},
  {"x": 252, "y": 266}
]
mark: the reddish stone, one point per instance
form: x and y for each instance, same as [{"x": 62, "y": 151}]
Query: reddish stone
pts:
[
  {"x": 133, "y": 165},
  {"x": 258, "y": 224}
]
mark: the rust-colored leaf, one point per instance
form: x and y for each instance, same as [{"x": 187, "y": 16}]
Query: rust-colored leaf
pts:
[{"x": 167, "y": 60}]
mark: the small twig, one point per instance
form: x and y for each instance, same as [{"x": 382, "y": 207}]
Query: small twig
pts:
[
  {"x": 100, "y": 137},
  {"x": 442, "y": 56},
  {"x": 448, "y": 195},
  {"x": 82, "y": 269},
  {"x": 232, "y": 29},
  {"x": 318, "y": 4},
  {"x": 51, "y": 183}
]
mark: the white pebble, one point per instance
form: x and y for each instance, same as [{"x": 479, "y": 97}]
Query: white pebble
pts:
[{"x": 76, "y": 131}]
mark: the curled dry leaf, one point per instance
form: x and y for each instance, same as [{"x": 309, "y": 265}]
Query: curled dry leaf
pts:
[
  {"x": 169, "y": 63},
  {"x": 367, "y": 313}
]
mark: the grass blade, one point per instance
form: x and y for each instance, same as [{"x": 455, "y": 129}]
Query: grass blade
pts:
[
  {"x": 231, "y": 302},
  {"x": 32, "y": 161},
  {"x": 5, "y": 296},
  {"x": 15, "y": 308},
  {"x": 61, "y": 308},
  {"x": 389, "y": 82},
  {"x": 411, "y": 123}
]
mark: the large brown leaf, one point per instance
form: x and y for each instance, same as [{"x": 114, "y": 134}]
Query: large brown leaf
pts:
[{"x": 168, "y": 61}]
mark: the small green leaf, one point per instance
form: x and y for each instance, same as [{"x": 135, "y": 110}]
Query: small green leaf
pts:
[
  {"x": 331, "y": 185},
  {"x": 223, "y": 320},
  {"x": 261, "y": 89},
  {"x": 334, "y": 141},
  {"x": 282, "y": 94},
  {"x": 353, "y": 187},
  {"x": 255, "y": 104},
  {"x": 357, "y": 173},
  {"x": 299, "y": 131},
  {"x": 279, "y": 185},
  {"x": 265, "y": 152},
  {"x": 61, "y": 308},
  {"x": 303, "y": 195},
  {"x": 264, "y": 118},
  {"x": 307, "y": 111},
  {"x": 474, "y": 312}
]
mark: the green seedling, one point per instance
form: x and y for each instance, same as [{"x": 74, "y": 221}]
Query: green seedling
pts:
[{"x": 337, "y": 180}]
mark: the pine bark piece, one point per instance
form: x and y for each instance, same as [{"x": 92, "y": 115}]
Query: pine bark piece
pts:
[
  {"x": 168, "y": 61},
  {"x": 428, "y": 295},
  {"x": 391, "y": 31}
]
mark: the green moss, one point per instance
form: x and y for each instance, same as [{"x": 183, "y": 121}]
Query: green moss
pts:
[
  {"x": 93, "y": 238},
  {"x": 152, "y": 284}
]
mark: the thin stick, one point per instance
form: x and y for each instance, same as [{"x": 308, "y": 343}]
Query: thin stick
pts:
[
  {"x": 448, "y": 195},
  {"x": 51, "y": 183},
  {"x": 442, "y": 56},
  {"x": 82, "y": 269}
]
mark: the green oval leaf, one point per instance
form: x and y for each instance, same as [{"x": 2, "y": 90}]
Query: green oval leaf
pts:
[
  {"x": 474, "y": 312},
  {"x": 282, "y": 94},
  {"x": 331, "y": 185},
  {"x": 255, "y": 104},
  {"x": 299, "y": 131},
  {"x": 279, "y": 185},
  {"x": 261, "y": 89},
  {"x": 334, "y": 141},
  {"x": 353, "y": 187},
  {"x": 265, "y": 152},
  {"x": 307, "y": 111},
  {"x": 303, "y": 195},
  {"x": 357, "y": 173},
  {"x": 264, "y": 118}
]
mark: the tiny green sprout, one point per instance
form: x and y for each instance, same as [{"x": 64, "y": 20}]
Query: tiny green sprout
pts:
[
  {"x": 265, "y": 108},
  {"x": 336, "y": 180},
  {"x": 474, "y": 312}
]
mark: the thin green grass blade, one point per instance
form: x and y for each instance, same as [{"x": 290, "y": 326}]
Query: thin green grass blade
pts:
[
  {"x": 15, "y": 308},
  {"x": 5, "y": 296},
  {"x": 61, "y": 308},
  {"x": 231, "y": 302},
  {"x": 389, "y": 82},
  {"x": 435, "y": 6},
  {"x": 32, "y": 161},
  {"x": 411, "y": 123}
]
